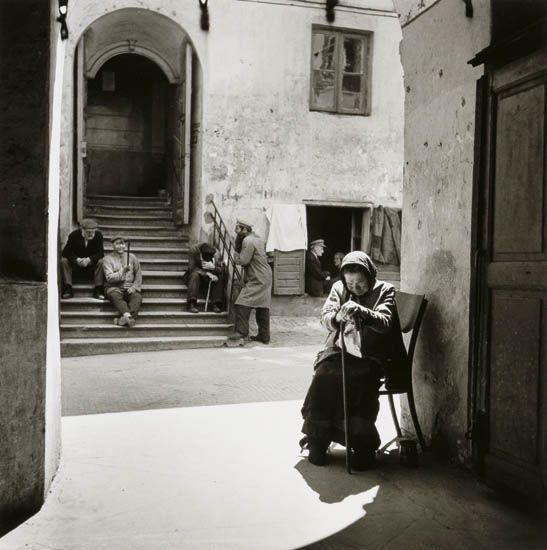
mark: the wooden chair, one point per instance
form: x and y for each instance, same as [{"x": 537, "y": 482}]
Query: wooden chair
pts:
[{"x": 411, "y": 308}]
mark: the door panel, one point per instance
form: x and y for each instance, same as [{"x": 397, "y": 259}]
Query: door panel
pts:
[
  {"x": 514, "y": 376},
  {"x": 519, "y": 194},
  {"x": 513, "y": 282}
]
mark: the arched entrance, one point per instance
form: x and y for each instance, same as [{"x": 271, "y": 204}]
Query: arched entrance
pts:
[{"x": 135, "y": 105}]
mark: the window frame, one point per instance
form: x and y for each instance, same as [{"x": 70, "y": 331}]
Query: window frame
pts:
[{"x": 340, "y": 33}]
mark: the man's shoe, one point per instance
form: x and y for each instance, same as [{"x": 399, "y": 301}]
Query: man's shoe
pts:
[
  {"x": 67, "y": 292},
  {"x": 98, "y": 293},
  {"x": 131, "y": 321},
  {"x": 192, "y": 308},
  {"x": 122, "y": 321},
  {"x": 216, "y": 309},
  {"x": 258, "y": 339}
]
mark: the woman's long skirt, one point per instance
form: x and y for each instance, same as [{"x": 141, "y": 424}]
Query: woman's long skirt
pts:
[{"x": 323, "y": 409}]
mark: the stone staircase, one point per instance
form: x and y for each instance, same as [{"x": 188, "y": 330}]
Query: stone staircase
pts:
[{"x": 87, "y": 326}]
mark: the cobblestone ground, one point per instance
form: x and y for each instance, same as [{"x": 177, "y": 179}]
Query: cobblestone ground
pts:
[{"x": 186, "y": 378}]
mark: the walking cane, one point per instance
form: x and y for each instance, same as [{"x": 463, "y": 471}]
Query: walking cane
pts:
[
  {"x": 345, "y": 397},
  {"x": 208, "y": 292}
]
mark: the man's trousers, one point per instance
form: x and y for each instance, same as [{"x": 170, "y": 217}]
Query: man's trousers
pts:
[
  {"x": 95, "y": 271},
  {"x": 243, "y": 313},
  {"x": 125, "y": 302}
]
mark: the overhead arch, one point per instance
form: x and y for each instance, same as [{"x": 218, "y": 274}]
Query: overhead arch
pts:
[{"x": 128, "y": 46}]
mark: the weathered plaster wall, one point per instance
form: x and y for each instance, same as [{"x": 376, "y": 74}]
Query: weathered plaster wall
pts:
[
  {"x": 437, "y": 195},
  {"x": 260, "y": 142},
  {"x": 263, "y": 145}
]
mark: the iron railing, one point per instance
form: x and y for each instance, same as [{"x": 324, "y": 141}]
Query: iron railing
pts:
[{"x": 224, "y": 244}]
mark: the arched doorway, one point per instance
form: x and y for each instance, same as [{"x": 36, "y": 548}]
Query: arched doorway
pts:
[
  {"x": 126, "y": 128},
  {"x": 136, "y": 99}
]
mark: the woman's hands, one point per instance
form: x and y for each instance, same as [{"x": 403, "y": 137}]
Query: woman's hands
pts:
[{"x": 351, "y": 310}]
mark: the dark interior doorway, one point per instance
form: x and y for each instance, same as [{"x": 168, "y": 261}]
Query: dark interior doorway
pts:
[
  {"x": 332, "y": 224},
  {"x": 126, "y": 128}
]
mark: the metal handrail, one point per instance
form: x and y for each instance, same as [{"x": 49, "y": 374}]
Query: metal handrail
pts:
[{"x": 224, "y": 244}]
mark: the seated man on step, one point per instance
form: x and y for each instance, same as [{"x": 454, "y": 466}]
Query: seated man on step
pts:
[
  {"x": 205, "y": 267},
  {"x": 123, "y": 276},
  {"x": 83, "y": 254}
]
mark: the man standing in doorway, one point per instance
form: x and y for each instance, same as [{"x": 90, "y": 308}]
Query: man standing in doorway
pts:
[
  {"x": 257, "y": 289},
  {"x": 83, "y": 253},
  {"x": 316, "y": 278}
]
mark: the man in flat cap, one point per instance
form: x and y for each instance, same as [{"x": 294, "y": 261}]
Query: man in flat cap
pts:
[
  {"x": 123, "y": 276},
  {"x": 257, "y": 289},
  {"x": 205, "y": 266},
  {"x": 83, "y": 254},
  {"x": 316, "y": 278}
]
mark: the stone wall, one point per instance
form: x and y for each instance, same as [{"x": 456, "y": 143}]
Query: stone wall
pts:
[{"x": 437, "y": 206}]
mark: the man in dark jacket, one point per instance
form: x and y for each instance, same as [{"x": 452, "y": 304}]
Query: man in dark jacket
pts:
[
  {"x": 316, "y": 278},
  {"x": 83, "y": 253},
  {"x": 205, "y": 266}
]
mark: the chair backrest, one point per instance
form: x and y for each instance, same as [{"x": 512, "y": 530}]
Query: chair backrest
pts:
[{"x": 411, "y": 309}]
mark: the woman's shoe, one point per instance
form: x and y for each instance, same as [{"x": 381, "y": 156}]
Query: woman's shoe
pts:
[
  {"x": 362, "y": 460},
  {"x": 317, "y": 452}
]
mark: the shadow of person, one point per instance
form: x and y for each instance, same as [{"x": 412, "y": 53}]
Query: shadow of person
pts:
[
  {"x": 369, "y": 499},
  {"x": 333, "y": 484}
]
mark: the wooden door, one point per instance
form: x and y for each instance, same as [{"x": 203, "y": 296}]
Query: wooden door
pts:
[
  {"x": 513, "y": 313},
  {"x": 182, "y": 142}
]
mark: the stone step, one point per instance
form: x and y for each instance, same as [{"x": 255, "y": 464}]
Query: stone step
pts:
[
  {"x": 136, "y": 220},
  {"x": 125, "y": 200},
  {"x": 127, "y": 210},
  {"x": 152, "y": 291},
  {"x": 155, "y": 253},
  {"x": 162, "y": 277},
  {"x": 141, "y": 330},
  {"x": 146, "y": 317},
  {"x": 163, "y": 264},
  {"x": 143, "y": 230},
  {"x": 149, "y": 241},
  {"x": 148, "y": 304},
  {"x": 73, "y": 347}
]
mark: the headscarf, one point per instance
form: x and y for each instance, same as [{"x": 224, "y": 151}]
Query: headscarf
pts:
[{"x": 362, "y": 260}]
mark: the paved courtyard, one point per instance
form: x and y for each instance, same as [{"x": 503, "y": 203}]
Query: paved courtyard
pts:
[{"x": 198, "y": 449}]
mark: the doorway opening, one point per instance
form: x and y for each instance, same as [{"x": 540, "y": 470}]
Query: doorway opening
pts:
[
  {"x": 126, "y": 128},
  {"x": 374, "y": 230}
]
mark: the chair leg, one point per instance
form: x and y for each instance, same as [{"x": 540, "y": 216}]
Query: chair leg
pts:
[
  {"x": 412, "y": 409},
  {"x": 394, "y": 415}
]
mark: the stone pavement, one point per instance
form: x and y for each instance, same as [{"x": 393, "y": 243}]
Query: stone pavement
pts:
[{"x": 197, "y": 449}]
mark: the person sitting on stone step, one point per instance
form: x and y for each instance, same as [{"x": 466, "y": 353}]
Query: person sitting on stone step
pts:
[
  {"x": 205, "y": 266},
  {"x": 123, "y": 284},
  {"x": 83, "y": 254}
]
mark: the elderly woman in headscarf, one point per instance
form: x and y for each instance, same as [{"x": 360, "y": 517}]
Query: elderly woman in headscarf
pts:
[{"x": 366, "y": 308}]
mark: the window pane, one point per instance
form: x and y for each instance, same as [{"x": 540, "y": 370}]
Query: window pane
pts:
[
  {"x": 323, "y": 89},
  {"x": 323, "y": 48},
  {"x": 351, "y": 83},
  {"x": 351, "y": 101},
  {"x": 353, "y": 55}
]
